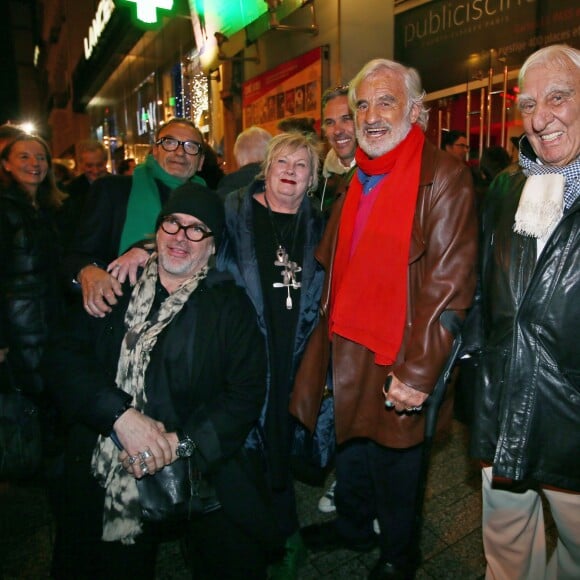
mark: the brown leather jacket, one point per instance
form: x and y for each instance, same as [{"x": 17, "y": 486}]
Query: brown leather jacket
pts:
[{"x": 442, "y": 276}]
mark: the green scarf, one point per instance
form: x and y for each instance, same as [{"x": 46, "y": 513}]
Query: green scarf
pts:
[{"x": 144, "y": 202}]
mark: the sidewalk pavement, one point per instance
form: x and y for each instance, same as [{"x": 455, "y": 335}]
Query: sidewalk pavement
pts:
[{"x": 451, "y": 542}]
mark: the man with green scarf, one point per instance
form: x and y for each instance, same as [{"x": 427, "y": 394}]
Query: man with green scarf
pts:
[{"x": 121, "y": 210}]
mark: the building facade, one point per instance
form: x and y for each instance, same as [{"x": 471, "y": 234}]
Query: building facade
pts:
[{"x": 228, "y": 64}]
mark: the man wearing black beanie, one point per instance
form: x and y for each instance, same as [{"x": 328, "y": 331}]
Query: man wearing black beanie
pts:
[{"x": 175, "y": 373}]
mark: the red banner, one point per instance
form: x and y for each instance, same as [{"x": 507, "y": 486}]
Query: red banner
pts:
[{"x": 292, "y": 89}]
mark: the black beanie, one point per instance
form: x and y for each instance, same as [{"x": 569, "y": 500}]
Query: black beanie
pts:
[{"x": 199, "y": 201}]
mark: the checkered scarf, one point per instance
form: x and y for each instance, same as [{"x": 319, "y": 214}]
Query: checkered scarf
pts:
[
  {"x": 122, "y": 511},
  {"x": 571, "y": 173}
]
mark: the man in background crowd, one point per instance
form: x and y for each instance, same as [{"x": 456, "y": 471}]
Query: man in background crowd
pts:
[
  {"x": 249, "y": 150},
  {"x": 127, "y": 166},
  {"x": 339, "y": 164},
  {"x": 455, "y": 143},
  {"x": 91, "y": 164}
]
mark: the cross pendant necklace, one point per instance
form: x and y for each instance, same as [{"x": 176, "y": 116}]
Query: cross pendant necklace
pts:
[{"x": 282, "y": 259}]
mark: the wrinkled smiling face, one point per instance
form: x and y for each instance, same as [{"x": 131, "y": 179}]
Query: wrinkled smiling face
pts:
[
  {"x": 289, "y": 176},
  {"x": 549, "y": 102},
  {"x": 179, "y": 163},
  {"x": 382, "y": 114},
  {"x": 338, "y": 126},
  {"x": 27, "y": 163}
]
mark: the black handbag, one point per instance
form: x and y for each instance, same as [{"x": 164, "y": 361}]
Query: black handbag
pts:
[
  {"x": 20, "y": 430},
  {"x": 176, "y": 492}
]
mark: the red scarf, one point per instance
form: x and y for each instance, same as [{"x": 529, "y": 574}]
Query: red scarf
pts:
[{"x": 369, "y": 290}]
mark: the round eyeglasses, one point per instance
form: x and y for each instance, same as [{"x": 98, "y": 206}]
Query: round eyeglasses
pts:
[
  {"x": 171, "y": 144},
  {"x": 193, "y": 232}
]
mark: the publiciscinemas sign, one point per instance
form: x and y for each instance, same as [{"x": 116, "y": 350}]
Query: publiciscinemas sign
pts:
[{"x": 451, "y": 42}]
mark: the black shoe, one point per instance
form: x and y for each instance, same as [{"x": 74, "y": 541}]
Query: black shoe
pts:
[
  {"x": 325, "y": 537},
  {"x": 384, "y": 570}
]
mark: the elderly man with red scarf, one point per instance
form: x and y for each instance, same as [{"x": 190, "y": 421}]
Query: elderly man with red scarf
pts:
[{"x": 400, "y": 254}]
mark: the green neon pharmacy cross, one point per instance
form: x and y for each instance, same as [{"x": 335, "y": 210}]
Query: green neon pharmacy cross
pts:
[{"x": 147, "y": 9}]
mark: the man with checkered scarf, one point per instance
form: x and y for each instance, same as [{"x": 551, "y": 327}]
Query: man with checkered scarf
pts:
[{"x": 526, "y": 426}]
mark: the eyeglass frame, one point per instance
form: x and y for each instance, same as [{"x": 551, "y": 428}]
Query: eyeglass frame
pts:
[
  {"x": 162, "y": 140},
  {"x": 180, "y": 226}
]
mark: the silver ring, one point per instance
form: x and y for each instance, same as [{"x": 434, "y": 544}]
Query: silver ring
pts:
[
  {"x": 132, "y": 459},
  {"x": 144, "y": 455},
  {"x": 144, "y": 467},
  {"x": 389, "y": 404}
]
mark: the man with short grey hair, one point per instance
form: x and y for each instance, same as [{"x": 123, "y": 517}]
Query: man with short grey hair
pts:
[
  {"x": 400, "y": 252},
  {"x": 121, "y": 210},
  {"x": 249, "y": 150}
]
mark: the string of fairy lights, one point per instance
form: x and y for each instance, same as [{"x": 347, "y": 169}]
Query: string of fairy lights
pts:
[{"x": 195, "y": 92}]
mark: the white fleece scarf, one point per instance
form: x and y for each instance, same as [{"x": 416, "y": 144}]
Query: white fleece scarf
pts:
[{"x": 548, "y": 192}]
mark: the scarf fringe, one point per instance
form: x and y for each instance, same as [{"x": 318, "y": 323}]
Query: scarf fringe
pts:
[
  {"x": 541, "y": 206},
  {"x": 527, "y": 223}
]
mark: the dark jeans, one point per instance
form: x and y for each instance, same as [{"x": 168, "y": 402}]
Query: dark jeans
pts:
[{"x": 373, "y": 481}]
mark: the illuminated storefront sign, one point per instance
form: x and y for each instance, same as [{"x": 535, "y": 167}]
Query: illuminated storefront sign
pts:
[
  {"x": 147, "y": 119},
  {"x": 102, "y": 16},
  {"x": 147, "y": 11},
  {"x": 453, "y": 41},
  {"x": 229, "y": 17}
]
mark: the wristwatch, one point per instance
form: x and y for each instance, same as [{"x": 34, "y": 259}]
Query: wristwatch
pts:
[{"x": 185, "y": 446}]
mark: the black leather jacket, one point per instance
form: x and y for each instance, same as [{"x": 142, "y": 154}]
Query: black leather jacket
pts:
[
  {"x": 527, "y": 414},
  {"x": 30, "y": 297}
]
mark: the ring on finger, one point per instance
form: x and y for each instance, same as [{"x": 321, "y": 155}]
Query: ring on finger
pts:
[
  {"x": 132, "y": 459},
  {"x": 144, "y": 467},
  {"x": 144, "y": 455},
  {"x": 389, "y": 404}
]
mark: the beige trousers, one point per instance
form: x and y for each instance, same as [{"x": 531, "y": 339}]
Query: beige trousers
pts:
[{"x": 514, "y": 537}]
